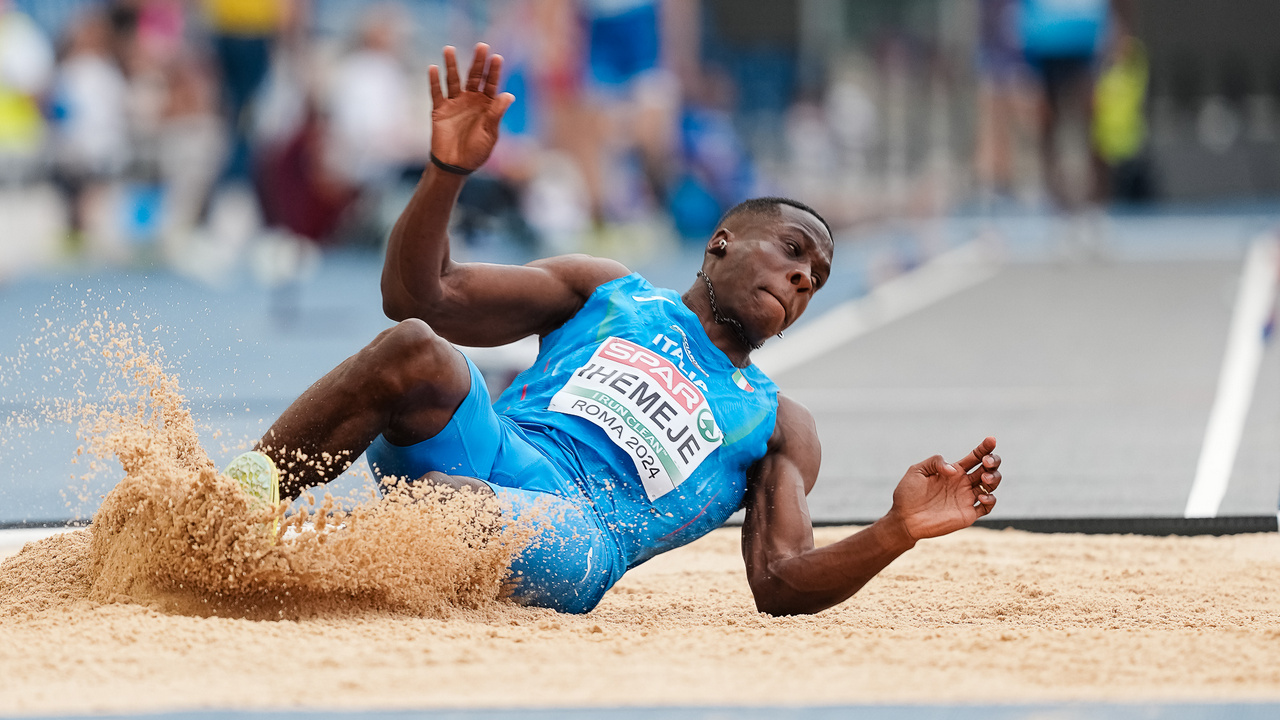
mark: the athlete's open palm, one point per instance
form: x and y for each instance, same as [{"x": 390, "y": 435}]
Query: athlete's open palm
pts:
[
  {"x": 936, "y": 497},
  {"x": 464, "y": 125}
]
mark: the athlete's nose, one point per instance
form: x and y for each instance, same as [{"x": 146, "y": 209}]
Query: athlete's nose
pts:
[{"x": 801, "y": 281}]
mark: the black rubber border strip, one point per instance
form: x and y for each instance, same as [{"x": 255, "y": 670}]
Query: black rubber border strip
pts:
[
  {"x": 1159, "y": 526},
  {"x": 1227, "y": 525}
]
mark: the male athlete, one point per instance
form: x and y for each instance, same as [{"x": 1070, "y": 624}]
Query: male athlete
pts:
[{"x": 642, "y": 423}]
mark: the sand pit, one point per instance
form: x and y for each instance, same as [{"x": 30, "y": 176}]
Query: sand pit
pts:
[
  {"x": 177, "y": 597},
  {"x": 979, "y": 617}
]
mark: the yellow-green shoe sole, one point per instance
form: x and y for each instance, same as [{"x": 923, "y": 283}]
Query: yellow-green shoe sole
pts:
[{"x": 259, "y": 478}]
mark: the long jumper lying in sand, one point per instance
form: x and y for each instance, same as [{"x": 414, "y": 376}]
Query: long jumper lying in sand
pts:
[{"x": 641, "y": 426}]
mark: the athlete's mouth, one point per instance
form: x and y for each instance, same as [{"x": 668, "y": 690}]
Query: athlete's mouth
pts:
[{"x": 786, "y": 311}]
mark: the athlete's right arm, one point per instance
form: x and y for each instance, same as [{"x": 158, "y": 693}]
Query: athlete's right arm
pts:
[
  {"x": 476, "y": 304},
  {"x": 789, "y": 575}
]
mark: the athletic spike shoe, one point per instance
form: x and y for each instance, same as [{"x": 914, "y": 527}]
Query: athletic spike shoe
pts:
[{"x": 259, "y": 478}]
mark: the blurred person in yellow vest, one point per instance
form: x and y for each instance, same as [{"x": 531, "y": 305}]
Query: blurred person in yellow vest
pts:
[
  {"x": 246, "y": 17},
  {"x": 243, "y": 34},
  {"x": 1119, "y": 127},
  {"x": 26, "y": 67}
]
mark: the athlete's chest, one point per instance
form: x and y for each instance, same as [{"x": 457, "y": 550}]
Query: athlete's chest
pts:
[{"x": 667, "y": 406}]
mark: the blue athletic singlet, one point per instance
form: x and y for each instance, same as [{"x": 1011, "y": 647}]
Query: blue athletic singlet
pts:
[
  {"x": 650, "y": 419},
  {"x": 630, "y": 435}
]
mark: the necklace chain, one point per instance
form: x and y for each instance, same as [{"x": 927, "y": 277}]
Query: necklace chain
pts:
[{"x": 722, "y": 320}]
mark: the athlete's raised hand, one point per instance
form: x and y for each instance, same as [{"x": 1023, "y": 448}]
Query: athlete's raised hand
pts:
[
  {"x": 936, "y": 497},
  {"x": 464, "y": 125}
]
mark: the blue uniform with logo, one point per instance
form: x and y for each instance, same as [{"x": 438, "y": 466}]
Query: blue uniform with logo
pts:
[{"x": 631, "y": 432}]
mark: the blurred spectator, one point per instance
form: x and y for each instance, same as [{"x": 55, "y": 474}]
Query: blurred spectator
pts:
[
  {"x": 637, "y": 101},
  {"x": 716, "y": 170},
  {"x": 243, "y": 32},
  {"x": 852, "y": 117},
  {"x": 556, "y": 202},
  {"x": 528, "y": 192},
  {"x": 623, "y": 39},
  {"x": 371, "y": 125},
  {"x": 373, "y": 137},
  {"x": 1062, "y": 41},
  {"x": 191, "y": 145},
  {"x": 91, "y": 141},
  {"x": 299, "y": 192},
  {"x": 26, "y": 64},
  {"x": 160, "y": 29},
  {"x": 302, "y": 202},
  {"x": 1004, "y": 98},
  {"x": 1119, "y": 123},
  {"x": 612, "y": 108}
]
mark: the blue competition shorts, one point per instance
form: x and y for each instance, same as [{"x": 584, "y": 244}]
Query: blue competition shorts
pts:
[{"x": 574, "y": 560}]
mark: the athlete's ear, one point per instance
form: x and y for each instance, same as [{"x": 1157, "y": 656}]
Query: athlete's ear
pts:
[{"x": 718, "y": 242}]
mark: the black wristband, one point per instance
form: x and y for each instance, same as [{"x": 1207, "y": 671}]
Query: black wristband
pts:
[{"x": 449, "y": 168}]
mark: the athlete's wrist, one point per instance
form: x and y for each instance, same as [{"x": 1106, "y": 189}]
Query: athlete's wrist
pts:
[
  {"x": 894, "y": 531},
  {"x": 434, "y": 177},
  {"x": 450, "y": 167}
]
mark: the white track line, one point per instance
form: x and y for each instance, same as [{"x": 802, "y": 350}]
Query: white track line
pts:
[
  {"x": 943, "y": 276},
  {"x": 1235, "y": 382},
  {"x": 12, "y": 540}
]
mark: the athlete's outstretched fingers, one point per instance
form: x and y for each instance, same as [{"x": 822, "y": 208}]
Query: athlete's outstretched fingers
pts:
[
  {"x": 451, "y": 71},
  {"x": 495, "y": 73},
  {"x": 476, "y": 74},
  {"x": 985, "y": 504},
  {"x": 972, "y": 460},
  {"x": 991, "y": 461},
  {"x": 986, "y": 474},
  {"x": 991, "y": 479},
  {"x": 437, "y": 95}
]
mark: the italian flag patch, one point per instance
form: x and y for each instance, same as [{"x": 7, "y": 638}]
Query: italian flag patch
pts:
[{"x": 741, "y": 381}]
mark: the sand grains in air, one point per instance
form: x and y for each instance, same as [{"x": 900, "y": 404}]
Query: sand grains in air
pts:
[{"x": 177, "y": 536}]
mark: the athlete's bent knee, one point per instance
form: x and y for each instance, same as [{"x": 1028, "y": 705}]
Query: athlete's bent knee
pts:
[{"x": 411, "y": 356}]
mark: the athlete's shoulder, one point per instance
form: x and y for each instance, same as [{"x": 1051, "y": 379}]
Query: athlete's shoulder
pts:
[
  {"x": 584, "y": 273},
  {"x": 794, "y": 428},
  {"x": 792, "y": 412},
  {"x": 795, "y": 436}
]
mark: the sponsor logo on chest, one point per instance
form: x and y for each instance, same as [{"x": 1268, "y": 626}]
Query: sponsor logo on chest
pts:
[{"x": 648, "y": 407}]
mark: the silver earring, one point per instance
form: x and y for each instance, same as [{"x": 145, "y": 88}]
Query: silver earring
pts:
[
  {"x": 723, "y": 244},
  {"x": 779, "y": 333}
]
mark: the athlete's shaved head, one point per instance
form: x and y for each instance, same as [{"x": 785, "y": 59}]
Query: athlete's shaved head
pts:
[{"x": 771, "y": 207}]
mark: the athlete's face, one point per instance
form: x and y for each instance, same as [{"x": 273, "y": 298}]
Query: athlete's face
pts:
[{"x": 770, "y": 266}]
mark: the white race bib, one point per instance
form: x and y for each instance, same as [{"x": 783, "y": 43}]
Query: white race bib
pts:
[{"x": 647, "y": 407}]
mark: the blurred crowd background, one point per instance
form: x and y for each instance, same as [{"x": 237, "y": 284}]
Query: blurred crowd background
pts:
[{"x": 200, "y": 135}]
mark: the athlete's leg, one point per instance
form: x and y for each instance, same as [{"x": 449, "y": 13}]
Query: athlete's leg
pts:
[
  {"x": 573, "y": 560},
  {"x": 406, "y": 384},
  {"x": 570, "y": 560}
]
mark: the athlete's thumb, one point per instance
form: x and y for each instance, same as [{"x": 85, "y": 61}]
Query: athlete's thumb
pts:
[
  {"x": 500, "y": 105},
  {"x": 936, "y": 466}
]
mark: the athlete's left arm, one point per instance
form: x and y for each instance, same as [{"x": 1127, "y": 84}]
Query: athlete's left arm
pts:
[{"x": 788, "y": 575}]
